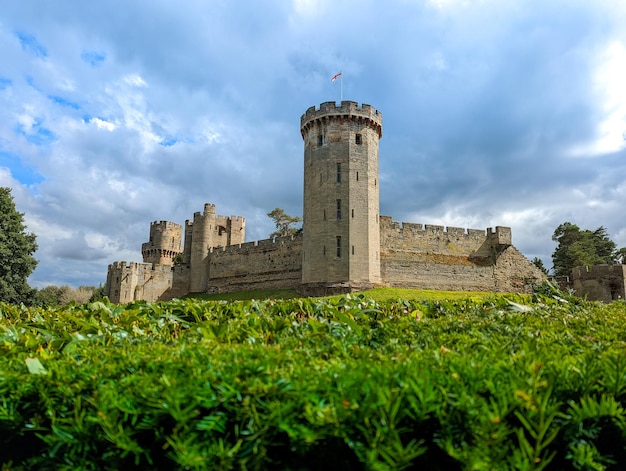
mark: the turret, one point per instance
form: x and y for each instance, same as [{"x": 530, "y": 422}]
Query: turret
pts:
[{"x": 164, "y": 245}]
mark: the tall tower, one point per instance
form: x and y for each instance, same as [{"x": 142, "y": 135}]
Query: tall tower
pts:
[{"x": 341, "y": 197}]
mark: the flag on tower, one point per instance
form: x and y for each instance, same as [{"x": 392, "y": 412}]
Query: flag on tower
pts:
[{"x": 335, "y": 77}]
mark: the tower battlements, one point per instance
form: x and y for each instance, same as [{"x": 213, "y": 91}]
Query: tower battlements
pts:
[
  {"x": 164, "y": 225},
  {"x": 347, "y": 111}
]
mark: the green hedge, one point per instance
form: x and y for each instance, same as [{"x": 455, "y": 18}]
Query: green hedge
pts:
[{"x": 349, "y": 383}]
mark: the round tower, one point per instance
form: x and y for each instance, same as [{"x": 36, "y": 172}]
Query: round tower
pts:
[
  {"x": 165, "y": 243},
  {"x": 341, "y": 245},
  {"x": 201, "y": 241}
]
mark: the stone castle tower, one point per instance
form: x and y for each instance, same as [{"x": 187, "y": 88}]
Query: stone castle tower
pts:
[
  {"x": 164, "y": 245},
  {"x": 208, "y": 230},
  {"x": 341, "y": 244}
]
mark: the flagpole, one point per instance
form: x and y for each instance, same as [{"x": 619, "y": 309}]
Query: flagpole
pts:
[{"x": 340, "y": 77}]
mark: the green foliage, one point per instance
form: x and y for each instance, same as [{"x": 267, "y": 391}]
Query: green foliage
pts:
[
  {"x": 539, "y": 264},
  {"x": 578, "y": 247},
  {"x": 284, "y": 223},
  {"x": 61, "y": 295},
  {"x": 496, "y": 382},
  {"x": 16, "y": 252}
]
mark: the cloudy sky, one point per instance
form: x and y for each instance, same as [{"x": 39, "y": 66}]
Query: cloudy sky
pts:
[{"x": 117, "y": 113}]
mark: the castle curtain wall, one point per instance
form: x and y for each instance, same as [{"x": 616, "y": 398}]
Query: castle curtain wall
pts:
[
  {"x": 264, "y": 264},
  {"x": 435, "y": 257}
]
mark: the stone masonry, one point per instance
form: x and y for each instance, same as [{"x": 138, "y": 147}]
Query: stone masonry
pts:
[{"x": 345, "y": 245}]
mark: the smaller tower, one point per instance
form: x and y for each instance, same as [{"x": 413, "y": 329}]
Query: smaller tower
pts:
[
  {"x": 208, "y": 230},
  {"x": 164, "y": 245}
]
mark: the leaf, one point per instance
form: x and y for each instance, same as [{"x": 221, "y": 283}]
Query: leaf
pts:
[
  {"x": 519, "y": 307},
  {"x": 35, "y": 367}
]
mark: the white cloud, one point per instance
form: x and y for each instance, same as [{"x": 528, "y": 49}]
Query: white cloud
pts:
[{"x": 102, "y": 124}]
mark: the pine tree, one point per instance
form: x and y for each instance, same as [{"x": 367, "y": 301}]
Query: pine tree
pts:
[
  {"x": 283, "y": 222},
  {"x": 578, "y": 247},
  {"x": 16, "y": 253}
]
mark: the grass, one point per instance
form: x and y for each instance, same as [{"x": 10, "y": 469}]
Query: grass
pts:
[
  {"x": 243, "y": 295},
  {"x": 377, "y": 294}
]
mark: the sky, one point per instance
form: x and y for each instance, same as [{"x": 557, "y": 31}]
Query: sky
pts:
[{"x": 117, "y": 113}]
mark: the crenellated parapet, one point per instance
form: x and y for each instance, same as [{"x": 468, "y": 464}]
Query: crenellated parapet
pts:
[
  {"x": 269, "y": 244},
  {"x": 349, "y": 111},
  {"x": 500, "y": 235}
]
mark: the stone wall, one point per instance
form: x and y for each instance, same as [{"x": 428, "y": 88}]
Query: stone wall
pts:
[
  {"x": 263, "y": 264},
  {"x": 457, "y": 259},
  {"x": 136, "y": 281},
  {"x": 600, "y": 282}
]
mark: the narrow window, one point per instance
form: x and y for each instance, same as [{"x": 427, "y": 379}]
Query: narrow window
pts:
[
  {"x": 320, "y": 140},
  {"x": 320, "y": 178},
  {"x": 357, "y": 139},
  {"x": 338, "y": 209},
  {"x": 353, "y": 214},
  {"x": 357, "y": 176},
  {"x": 353, "y": 250},
  {"x": 338, "y": 246},
  {"x": 324, "y": 215},
  {"x": 324, "y": 250},
  {"x": 338, "y": 173}
]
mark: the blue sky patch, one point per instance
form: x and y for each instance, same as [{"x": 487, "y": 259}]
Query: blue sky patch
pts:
[
  {"x": 168, "y": 142},
  {"x": 23, "y": 173},
  {"x": 63, "y": 102},
  {"x": 29, "y": 43},
  {"x": 93, "y": 58},
  {"x": 5, "y": 83},
  {"x": 37, "y": 135}
]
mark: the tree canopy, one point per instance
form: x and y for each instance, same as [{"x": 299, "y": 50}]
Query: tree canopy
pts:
[
  {"x": 582, "y": 247},
  {"x": 16, "y": 252},
  {"x": 284, "y": 223}
]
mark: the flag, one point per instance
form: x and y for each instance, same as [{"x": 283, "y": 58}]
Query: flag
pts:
[{"x": 335, "y": 77}]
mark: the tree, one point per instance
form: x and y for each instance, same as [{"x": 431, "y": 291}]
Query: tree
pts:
[
  {"x": 16, "y": 252},
  {"x": 284, "y": 223},
  {"x": 539, "y": 264},
  {"x": 576, "y": 247}
]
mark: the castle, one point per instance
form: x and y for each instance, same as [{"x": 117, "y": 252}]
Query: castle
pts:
[{"x": 345, "y": 244}]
